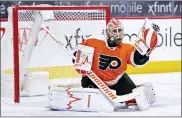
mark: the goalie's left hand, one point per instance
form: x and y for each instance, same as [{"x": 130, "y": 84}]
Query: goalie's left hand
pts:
[{"x": 147, "y": 39}]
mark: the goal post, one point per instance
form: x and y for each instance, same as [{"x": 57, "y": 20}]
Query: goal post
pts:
[{"x": 33, "y": 50}]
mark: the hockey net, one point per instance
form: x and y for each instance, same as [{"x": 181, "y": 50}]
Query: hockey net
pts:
[{"x": 70, "y": 25}]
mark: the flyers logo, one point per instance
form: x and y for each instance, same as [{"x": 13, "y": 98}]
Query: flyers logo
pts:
[{"x": 106, "y": 62}]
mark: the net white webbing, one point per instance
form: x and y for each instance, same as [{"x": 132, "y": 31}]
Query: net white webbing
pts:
[{"x": 69, "y": 26}]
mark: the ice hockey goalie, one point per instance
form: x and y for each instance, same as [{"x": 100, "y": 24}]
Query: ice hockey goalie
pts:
[{"x": 108, "y": 58}]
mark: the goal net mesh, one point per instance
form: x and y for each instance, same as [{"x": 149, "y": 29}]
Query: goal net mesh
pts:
[{"x": 70, "y": 25}]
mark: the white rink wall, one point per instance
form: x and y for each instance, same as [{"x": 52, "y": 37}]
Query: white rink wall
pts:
[
  {"x": 170, "y": 37},
  {"x": 48, "y": 53}
]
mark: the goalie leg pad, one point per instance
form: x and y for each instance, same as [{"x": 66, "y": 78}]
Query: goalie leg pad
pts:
[
  {"x": 78, "y": 99},
  {"x": 145, "y": 96},
  {"x": 150, "y": 92}
]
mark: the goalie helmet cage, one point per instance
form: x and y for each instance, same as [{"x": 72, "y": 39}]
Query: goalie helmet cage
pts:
[{"x": 62, "y": 14}]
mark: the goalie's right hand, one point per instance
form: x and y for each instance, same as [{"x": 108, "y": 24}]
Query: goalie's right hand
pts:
[
  {"x": 84, "y": 58},
  {"x": 82, "y": 72}
]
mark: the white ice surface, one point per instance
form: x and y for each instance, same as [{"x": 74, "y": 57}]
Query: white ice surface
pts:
[{"x": 168, "y": 94}]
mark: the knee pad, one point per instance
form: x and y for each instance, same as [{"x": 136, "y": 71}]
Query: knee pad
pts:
[{"x": 144, "y": 95}]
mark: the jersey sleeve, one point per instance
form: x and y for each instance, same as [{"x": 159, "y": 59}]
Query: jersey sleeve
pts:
[
  {"x": 135, "y": 58},
  {"x": 84, "y": 42},
  {"x": 87, "y": 42},
  {"x": 130, "y": 55}
]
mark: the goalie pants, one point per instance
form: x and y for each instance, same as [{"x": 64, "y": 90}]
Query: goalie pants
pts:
[{"x": 124, "y": 86}]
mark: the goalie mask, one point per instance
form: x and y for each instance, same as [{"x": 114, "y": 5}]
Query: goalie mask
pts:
[{"x": 115, "y": 31}]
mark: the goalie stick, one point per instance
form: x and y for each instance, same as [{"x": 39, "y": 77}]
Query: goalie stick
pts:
[{"x": 93, "y": 77}]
